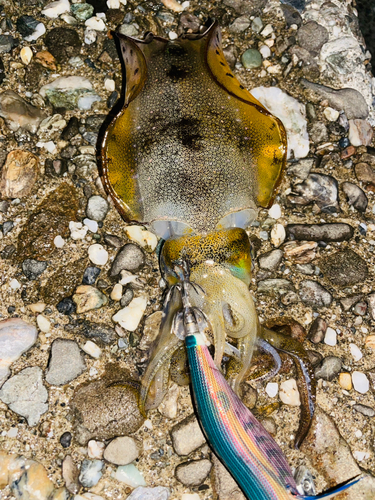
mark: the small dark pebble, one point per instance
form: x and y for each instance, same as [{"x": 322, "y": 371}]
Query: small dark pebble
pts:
[
  {"x": 55, "y": 168},
  {"x": 7, "y": 43},
  {"x": 90, "y": 275},
  {"x": 7, "y": 251},
  {"x": 7, "y": 226},
  {"x": 90, "y": 137},
  {"x": 26, "y": 25},
  {"x": 2, "y": 72},
  {"x": 4, "y": 206},
  {"x": 90, "y": 64},
  {"x": 99, "y": 5},
  {"x": 99, "y": 332},
  {"x": 326, "y": 233},
  {"x": 11, "y": 309},
  {"x": 68, "y": 152},
  {"x": 65, "y": 439},
  {"x": 129, "y": 258},
  {"x": 113, "y": 241},
  {"x": 63, "y": 43},
  {"x": 102, "y": 284},
  {"x": 355, "y": 196},
  {"x": 112, "y": 99},
  {"x": 33, "y": 268},
  {"x": 292, "y": 16},
  {"x": 71, "y": 129},
  {"x": 66, "y": 306},
  {"x": 344, "y": 268},
  {"x": 127, "y": 297},
  {"x": 344, "y": 142},
  {"x": 317, "y": 330},
  {"x": 365, "y": 410},
  {"x": 94, "y": 122},
  {"x": 315, "y": 357}
]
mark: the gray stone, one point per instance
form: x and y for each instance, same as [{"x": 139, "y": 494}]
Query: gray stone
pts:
[
  {"x": 349, "y": 100},
  {"x": 113, "y": 240},
  {"x": 251, "y": 58},
  {"x": 239, "y": 25},
  {"x": 143, "y": 493},
  {"x": 248, "y": 7},
  {"x": 187, "y": 436},
  {"x": 18, "y": 113},
  {"x": 344, "y": 268},
  {"x": 365, "y": 173},
  {"x": 301, "y": 168},
  {"x": 193, "y": 473},
  {"x": 26, "y": 395},
  {"x": 90, "y": 472},
  {"x": 230, "y": 54},
  {"x": 66, "y": 362},
  {"x": 329, "y": 368},
  {"x": 271, "y": 260},
  {"x": 307, "y": 269},
  {"x": 318, "y": 132},
  {"x": 314, "y": 295},
  {"x": 275, "y": 285},
  {"x": 365, "y": 410},
  {"x": 348, "y": 302},
  {"x": 16, "y": 337},
  {"x": 257, "y": 24},
  {"x": 129, "y": 258},
  {"x": 312, "y": 36},
  {"x": 122, "y": 451},
  {"x": 7, "y": 43},
  {"x": 70, "y": 475},
  {"x": 355, "y": 196},
  {"x": 97, "y": 208},
  {"x": 32, "y": 269},
  {"x": 99, "y": 332},
  {"x": 317, "y": 330},
  {"x": 319, "y": 189},
  {"x": 292, "y": 16},
  {"x": 319, "y": 232}
]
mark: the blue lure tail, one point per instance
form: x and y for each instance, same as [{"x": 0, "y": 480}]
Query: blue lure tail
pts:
[{"x": 333, "y": 492}]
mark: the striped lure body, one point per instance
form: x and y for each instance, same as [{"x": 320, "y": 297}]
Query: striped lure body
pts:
[{"x": 238, "y": 439}]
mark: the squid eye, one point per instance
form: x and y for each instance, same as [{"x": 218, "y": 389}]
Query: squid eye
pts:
[{"x": 234, "y": 321}]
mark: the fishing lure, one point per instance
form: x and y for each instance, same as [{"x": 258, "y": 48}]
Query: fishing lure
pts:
[
  {"x": 192, "y": 155},
  {"x": 250, "y": 454}
]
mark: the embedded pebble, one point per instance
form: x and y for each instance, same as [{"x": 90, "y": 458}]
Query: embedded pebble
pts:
[
  {"x": 77, "y": 230},
  {"x": 365, "y": 410},
  {"x": 144, "y": 238},
  {"x": 54, "y": 9},
  {"x": 360, "y": 133},
  {"x": 65, "y": 439},
  {"x": 90, "y": 275},
  {"x": 95, "y": 449},
  {"x": 91, "y": 224},
  {"x": 87, "y": 298},
  {"x": 116, "y": 293},
  {"x": 19, "y": 174},
  {"x": 345, "y": 381},
  {"x": 275, "y": 211},
  {"x": 355, "y": 352},
  {"x": 355, "y": 196},
  {"x": 187, "y": 436},
  {"x": 90, "y": 472},
  {"x": 330, "y": 337},
  {"x": 193, "y": 473},
  {"x": 313, "y": 294},
  {"x": 317, "y": 330},
  {"x": 312, "y": 36},
  {"x": 26, "y": 54},
  {"x": 156, "y": 493},
  {"x": 101, "y": 333},
  {"x": 44, "y": 324},
  {"x": 223, "y": 482},
  {"x": 26, "y": 395},
  {"x": 95, "y": 23},
  {"x": 130, "y": 316},
  {"x": 319, "y": 189},
  {"x": 329, "y": 368},
  {"x": 360, "y": 382},
  {"x": 344, "y": 268},
  {"x": 16, "y": 337},
  {"x": 300, "y": 252},
  {"x": 271, "y": 260},
  {"x": 320, "y": 232},
  {"x": 130, "y": 475},
  {"x": 288, "y": 393},
  {"x": 130, "y": 258},
  {"x": 272, "y": 388},
  {"x": 66, "y": 362},
  {"x": 32, "y": 268},
  {"x": 92, "y": 349},
  {"x": 331, "y": 114},
  {"x": 278, "y": 235},
  {"x": 98, "y": 254},
  {"x": 275, "y": 285},
  {"x": 70, "y": 475},
  {"x": 82, "y": 11},
  {"x": 291, "y": 113},
  {"x": 19, "y": 114},
  {"x": 251, "y": 58},
  {"x": 122, "y": 451},
  {"x": 70, "y": 92},
  {"x": 97, "y": 208}
]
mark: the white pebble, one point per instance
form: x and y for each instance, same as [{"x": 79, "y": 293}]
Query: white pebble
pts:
[
  {"x": 265, "y": 51},
  {"x": 77, "y": 230},
  {"x": 98, "y": 254},
  {"x": 26, "y": 55},
  {"x": 59, "y": 242},
  {"x": 358, "y": 434},
  {"x": 144, "y": 238},
  {"x": 172, "y": 35},
  {"x": 355, "y": 352},
  {"x": 54, "y": 9},
  {"x": 12, "y": 433},
  {"x": 289, "y": 394},
  {"x": 130, "y": 316},
  {"x": 14, "y": 284},
  {"x": 185, "y": 5},
  {"x": 361, "y": 455},
  {"x": 331, "y": 114},
  {"x": 109, "y": 84},
  {"x": 40, "y": 29},
  {"x": 130, "y": 475},
  {"x": 90, "y": 36},
  {"x": 330, "y": 337},
  {"x": 267, "y": 30},
  {"x": 91, "y": 224},
  {"x": 95, "y": 449},
  {"x": 113, "y": 4},
  {"x": 116, "y": 293},
  {"x": 95, "y": 23},
  {"x": 49, "y": 146},
  {"x": 272, "y": 388},
  {"x": 275, "y": 211},
  {"x": 43, "y": 323},
  {"x": 37, "y": 307},
  {"x": 92, "y": 349},
  {"x": 190, "y": 496},
  {"x": 278, "y": 235},
  {"x": 360, "y": 382}
]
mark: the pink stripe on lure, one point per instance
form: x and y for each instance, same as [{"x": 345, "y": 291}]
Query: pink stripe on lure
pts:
[{"x": 251, "y": 455}]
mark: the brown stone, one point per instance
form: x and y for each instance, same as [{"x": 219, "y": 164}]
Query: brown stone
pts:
[
  {"x": 300, "y": 252},
  {"x": 46, "y": 59},
  {"x": 348, "y": 152},
  {"x": 365, "y": 173},
  {"x": 19, "y": 174},
  {"x": 51, "y": 218}
]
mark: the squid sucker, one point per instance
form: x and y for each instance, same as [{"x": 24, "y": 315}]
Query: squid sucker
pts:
[{"x": 192, "y": 155}]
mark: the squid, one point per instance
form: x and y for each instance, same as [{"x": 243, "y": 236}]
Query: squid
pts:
[{"x": 193, "y": 155}]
